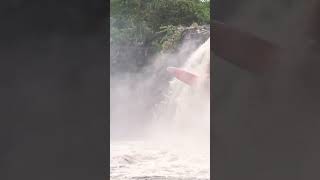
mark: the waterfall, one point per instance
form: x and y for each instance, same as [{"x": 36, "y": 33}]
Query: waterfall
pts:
[{"x": 177, "y": 143}]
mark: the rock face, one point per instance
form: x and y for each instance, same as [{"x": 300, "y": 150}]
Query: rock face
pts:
[{"x": 198, "y": 33}]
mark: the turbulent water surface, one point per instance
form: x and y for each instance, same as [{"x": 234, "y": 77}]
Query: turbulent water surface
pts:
[{"x": 148, "y": 160}]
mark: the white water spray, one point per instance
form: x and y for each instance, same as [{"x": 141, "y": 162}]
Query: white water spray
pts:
[{"x": 185, "y": 111}]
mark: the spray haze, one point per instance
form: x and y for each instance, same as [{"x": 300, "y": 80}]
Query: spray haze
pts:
[
  {"x": 134, "y": 94},
  {"x": 155, "y": 118}
]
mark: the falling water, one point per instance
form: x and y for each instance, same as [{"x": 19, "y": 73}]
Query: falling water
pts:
[{"x": 177, "y": 145}]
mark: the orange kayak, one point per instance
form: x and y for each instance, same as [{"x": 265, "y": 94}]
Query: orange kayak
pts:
[{"x": 183, "y": 75}]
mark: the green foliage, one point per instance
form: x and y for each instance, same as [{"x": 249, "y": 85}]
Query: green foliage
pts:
[
  {"x": 155, "y": 22},
  {"x": 126, "y": 31},
  {"x": 171, "y": 38}
]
